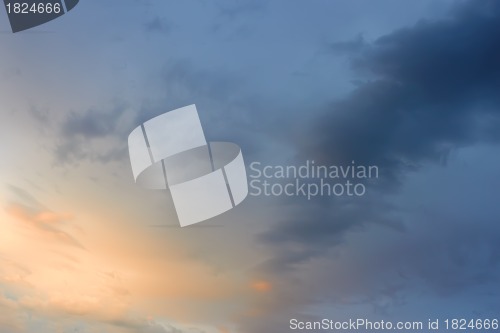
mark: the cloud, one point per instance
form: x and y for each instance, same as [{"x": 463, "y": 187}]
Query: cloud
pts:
[
  {"x": 147, "y": 326},
  {"x": 100, "y": 134},
  {"x": 431, "y": 89},
  {"x": 158, "y": 24},
  {"x": 95, "y": 135},
  {"x": 46, "y": 222},
  {"x": 10, "y": 319},
  {"x": 236, "y": 9},
  {"x": 26, "y": 208},
  {"x": 350, "y": 46},
  {"x": 118, "y": 281},
  {"x": 310, "y": 230},
  {"x": 45, "y": 273},
  {"x": 92, "y": 123},
  {"x": 227, "y": 109},
  {"x": 435, "y": 90},
  {"x": 262, "y": 286}
]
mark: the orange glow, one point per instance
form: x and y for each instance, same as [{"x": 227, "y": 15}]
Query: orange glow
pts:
[{"x": 262, "y": 286}]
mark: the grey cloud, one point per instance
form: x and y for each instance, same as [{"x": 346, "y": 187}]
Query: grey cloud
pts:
[
  {"x": 317, "y": 227},
  {"x": 227, "y": 108},
  {"x": 433, "y": 89},
  {"x": 83, "y": 136},
  {"x": 435, "y": 256},
  {"x": 158, "y": 24},
  {"x": 350, "y": 46},
  {"x": 100, "y": 135},
  {"x": 75, "y": 150},
  {"x": 437, "y": 84},
  {"x": 42, "y": 116},
  {"x": 92, "y": 123},
  {"x": 70, "y": 151}
]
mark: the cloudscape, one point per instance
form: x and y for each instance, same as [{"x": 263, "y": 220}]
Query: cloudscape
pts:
[{"x": 370, "y": 132}]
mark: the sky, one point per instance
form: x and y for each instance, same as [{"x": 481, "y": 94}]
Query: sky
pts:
[{"x": 408, "y": 86}]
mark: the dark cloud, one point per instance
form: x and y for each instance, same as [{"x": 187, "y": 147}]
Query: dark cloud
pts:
[
  {"x": 316, "y": 227},
  {"x": 436, "y": 90},
  {"x": 437, "y": 254},
  {"x": 433, "y": 88},
  {"x": 435, "y": 85}
]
